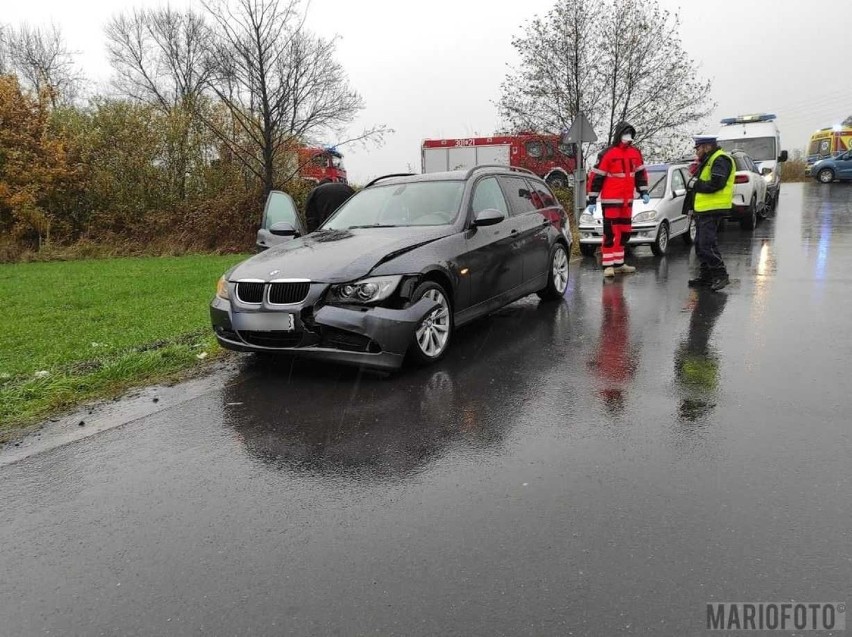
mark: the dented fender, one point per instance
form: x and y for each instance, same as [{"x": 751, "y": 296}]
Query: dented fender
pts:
[{"x": 391, "y": 329}]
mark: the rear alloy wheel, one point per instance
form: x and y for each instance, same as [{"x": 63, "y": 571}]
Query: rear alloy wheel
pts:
[
  {"x": 557, "y": 275},
  {"x": 588, "y": 249},
  {"x": 661, "y": 243},
  {"x": 826, "y": 175},
  {"x": 432, "y": 336},
  {"x": 750, "y": 220},
  {"x": 691, "y": 232}
]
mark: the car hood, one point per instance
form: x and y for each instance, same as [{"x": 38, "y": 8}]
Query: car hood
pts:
[
  {"x": 638, "y": 206},
  {"x": 335, "y": 256}
]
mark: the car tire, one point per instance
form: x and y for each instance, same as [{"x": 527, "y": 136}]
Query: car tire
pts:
[
  {"x": 750, "y": 220},
  {"x": 689, "y": 235},
  {"x": 428, "y": 334},
  {"x": 588, "y": 249},
  {"x": 557, "y": 274},
  {"x": 825, "y": 176},
  {"x": 661, "y": 243},
  {"x": 774, "y": 207}
]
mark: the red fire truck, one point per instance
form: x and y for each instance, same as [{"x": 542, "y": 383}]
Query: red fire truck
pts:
[
  {"x": 321, "y": 165},
  {"x": 542, "y": 154}
]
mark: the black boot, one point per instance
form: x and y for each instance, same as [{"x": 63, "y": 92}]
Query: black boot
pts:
[
  {"x": 700, "y": 282},
  {"x": 719, "y": 282}
]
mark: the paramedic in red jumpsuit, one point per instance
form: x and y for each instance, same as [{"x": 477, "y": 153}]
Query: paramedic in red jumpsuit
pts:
[{"x": 620, "y": 172}]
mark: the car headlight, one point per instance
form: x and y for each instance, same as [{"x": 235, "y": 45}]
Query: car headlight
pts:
[
  {"x": 222, "y": 289},
  {"x": 648, "y": 215},
  {"x": 366, "y": 290},
  {"x": 587, "y": 219},
  {"x": 769, "y": 176}
]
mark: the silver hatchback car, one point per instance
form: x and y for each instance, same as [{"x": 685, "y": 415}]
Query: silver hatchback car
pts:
[{"x": 654, "y": 223}]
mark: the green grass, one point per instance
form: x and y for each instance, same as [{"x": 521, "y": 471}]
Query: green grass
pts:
[{"x": 99, "y": 327}]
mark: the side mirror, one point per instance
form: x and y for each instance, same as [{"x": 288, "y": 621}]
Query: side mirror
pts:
[
  {"x": 488, "y": 217},
  {"x": 783, "y": 156},
  {"x": 283, "y": 229},
  {"x": 766, "y": 171},
  {"x": 679, "y": 192}
]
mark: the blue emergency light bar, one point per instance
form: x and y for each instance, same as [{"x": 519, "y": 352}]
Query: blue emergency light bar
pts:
[{"x": 748, "y": 119}]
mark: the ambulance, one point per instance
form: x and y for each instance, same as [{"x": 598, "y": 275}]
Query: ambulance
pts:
[{"x": 828, "y": 142}]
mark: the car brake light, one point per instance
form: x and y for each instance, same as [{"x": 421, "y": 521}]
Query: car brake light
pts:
[{"x": 741, "y": 179}]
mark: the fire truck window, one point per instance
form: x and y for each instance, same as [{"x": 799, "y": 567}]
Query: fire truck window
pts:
[
  {"x": 535, "y": 149},
  {"x": 519, "y": 195},
  {"x": 566, "y": 149},
  {"x": 488, "y": 196},
  {"x": 548, "y": 151},
  {"x": 319, "y": 160}
]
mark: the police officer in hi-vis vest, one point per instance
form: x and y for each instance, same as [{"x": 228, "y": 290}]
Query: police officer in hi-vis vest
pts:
[{"x": 712, "y": 189}]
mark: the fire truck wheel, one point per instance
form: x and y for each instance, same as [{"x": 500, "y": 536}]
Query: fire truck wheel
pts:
[{"x": 557, "y": 180}]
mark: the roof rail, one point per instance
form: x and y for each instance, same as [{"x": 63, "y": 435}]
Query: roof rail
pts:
[
  {"x": 503, "y": 166},
  {"x": 378, "y": 179}
]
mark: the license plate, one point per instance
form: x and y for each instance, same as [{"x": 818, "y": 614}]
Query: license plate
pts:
[{"x": 264, "y": 321}]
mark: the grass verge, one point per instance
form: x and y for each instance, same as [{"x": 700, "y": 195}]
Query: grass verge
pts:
[{"x": 84, "y": 330}]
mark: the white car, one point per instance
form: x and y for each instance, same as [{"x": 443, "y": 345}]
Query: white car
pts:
[
  {"x": 749, "y": 192},
  {"x": 654, "y": 223}
]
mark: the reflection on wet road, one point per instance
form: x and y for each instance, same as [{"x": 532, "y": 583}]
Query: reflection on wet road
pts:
[{"x": 602, "y": 466}]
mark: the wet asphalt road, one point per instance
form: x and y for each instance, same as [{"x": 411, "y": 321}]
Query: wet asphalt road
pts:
[{"x": 538, "y": 481}]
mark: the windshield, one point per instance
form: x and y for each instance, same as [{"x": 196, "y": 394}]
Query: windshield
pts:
[
  {"x": 758, "y": 148},
  {"x": 425, "y": 203},
  {"x": 337, "y": 162},
  {"x": 657, "y": 182},
  {"x": 279, "y": 207}
]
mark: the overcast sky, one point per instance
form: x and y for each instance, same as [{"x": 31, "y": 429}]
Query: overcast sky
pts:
[{"x": 433, "y": 69}]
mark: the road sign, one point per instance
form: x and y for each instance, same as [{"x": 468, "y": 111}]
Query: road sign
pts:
[{"x": 581, "y": 131}]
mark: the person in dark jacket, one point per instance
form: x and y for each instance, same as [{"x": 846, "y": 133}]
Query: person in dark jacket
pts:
[
  {"x": 712, "y": 187},
  {"x": 619, "y": 173},
  {"x": 323, "y": 201}
]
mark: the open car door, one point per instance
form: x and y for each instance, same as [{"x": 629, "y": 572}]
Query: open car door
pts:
[{"x": 281, "y": 221}]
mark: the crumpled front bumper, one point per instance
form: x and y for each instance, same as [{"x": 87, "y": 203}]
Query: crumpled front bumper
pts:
[{"x": 373, "y": 337}]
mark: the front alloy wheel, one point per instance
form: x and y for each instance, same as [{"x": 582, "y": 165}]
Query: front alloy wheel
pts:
[
  {"x": 661, "y": 243},
  {"x": 432, "y": 336},
  {"x": 826, "y": 175}
]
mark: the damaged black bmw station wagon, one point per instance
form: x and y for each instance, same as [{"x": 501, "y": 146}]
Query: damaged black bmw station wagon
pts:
[{"x": 397, "y": 268}]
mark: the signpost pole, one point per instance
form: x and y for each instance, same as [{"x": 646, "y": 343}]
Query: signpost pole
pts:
[
  {"x": 579, "y": 184},
  {"x": 581, "y": 132}
]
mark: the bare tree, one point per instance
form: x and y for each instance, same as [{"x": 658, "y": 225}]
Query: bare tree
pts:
[
  {"x": 159, "y": 56},
  {"x": 556, "y": 78},
  {"x": 4, "y": 57},
  {"x": 279, "y": 83},
  {"x": 613, "y": 60},
  {"x": 44, "y": 63}
]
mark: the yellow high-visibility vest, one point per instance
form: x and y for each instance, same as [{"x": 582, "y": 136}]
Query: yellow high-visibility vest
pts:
[{"x": 721, "y": 199}]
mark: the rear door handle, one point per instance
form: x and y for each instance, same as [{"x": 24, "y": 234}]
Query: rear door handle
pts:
[{"x": 514, "y": 231}]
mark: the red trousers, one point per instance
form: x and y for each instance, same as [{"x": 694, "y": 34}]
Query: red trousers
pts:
[{"x": 618, "y": 223}]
